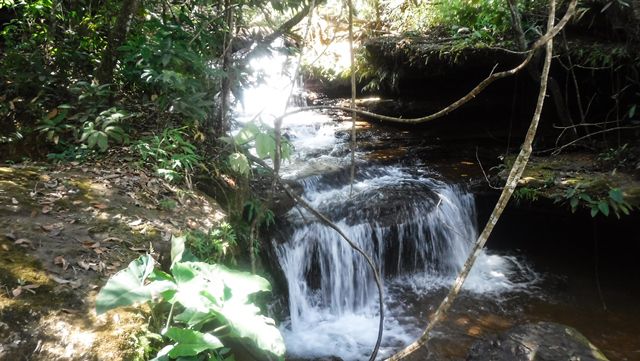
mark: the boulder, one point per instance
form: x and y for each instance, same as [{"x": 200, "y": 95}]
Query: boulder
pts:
[{"x": 542, "y": 341}]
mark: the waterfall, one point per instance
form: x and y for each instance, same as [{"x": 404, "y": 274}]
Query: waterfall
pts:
[
  {"x": 417, "y": 228},
  {"x": 412, "y": 225}
]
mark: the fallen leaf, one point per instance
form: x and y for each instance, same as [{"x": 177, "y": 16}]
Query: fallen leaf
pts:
[
  {"x": 46, "y": 209},
  {"x": 4, "y": 247},
  {"x": 14, "y": 201},
  {"x": 84, "y": 265},
  {"x": 90, "y": 244},
  {"x": 100, "y": 206},
  {"x": 52, "y": 113},
  {"x": 98, "y": 267},
  {"x": 59, "y": 280},
  {"x": 61, "y": 262},
  {"x": 75, "y": 203},
  {"x": 17, "y": 291},
  {"x": 192, "y": 224},
  {"x": 137, "y": 222},
  {"x": 24, "y": 241}
]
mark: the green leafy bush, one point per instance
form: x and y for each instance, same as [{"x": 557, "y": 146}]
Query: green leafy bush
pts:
[
  {"x": 613, "y": 202},
  {"x": 211, "y": 303},
  {"x": 526, "y": 194},
  {"x": 172, "y": 155},
  {"x": 214, "y": 245},
  {"x": 89, "y": 122}
]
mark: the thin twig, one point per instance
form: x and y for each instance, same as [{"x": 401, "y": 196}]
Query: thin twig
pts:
[
  {"x": 558, "y": 150},
  {"x": 484, "y": 173}
]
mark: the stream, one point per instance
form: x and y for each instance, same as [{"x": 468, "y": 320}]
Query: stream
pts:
[{"x": 417, "y": 225}]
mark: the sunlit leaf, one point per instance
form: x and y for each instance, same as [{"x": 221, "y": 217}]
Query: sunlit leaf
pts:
[
  {"x": 246, "y": 322},
  {"x": 265, "y": 145},
  {"x": 127, "y": 287},
  {"x": 239, "y": 163},
  {"x": 190, "y": 342}
]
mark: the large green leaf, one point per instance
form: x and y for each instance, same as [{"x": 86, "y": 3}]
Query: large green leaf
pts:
[
  {"x": 191, "y": 343},
  {"x": 246, "y": 322},
  {"x": 194, "y": 319},
  {"x": 247, "y": 134},
  {"x": 192, "y": 280},
  {"x": 128, "y": 287},
  {"x": 239, "y": 163},
  {"x": 210, "y": 289},
  {"x": 241, "y": 284},
  {"x": 177, "y": 249},
  {"x": 265, "y": 145}
]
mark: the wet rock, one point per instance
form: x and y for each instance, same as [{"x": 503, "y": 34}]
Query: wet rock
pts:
[{"x": 542, "y": 341}]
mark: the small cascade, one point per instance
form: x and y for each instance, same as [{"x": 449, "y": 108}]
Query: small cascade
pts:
[
  {"x": 417, "y": 228},
  {"x": 411, "y": 225}
]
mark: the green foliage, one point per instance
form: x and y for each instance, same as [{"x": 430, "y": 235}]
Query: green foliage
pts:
[
  {"x": 614, "y": 158},
  {"x": 254, "y": 208},
  {"x": 171, "y": 154},
  {"x": 481, "y": 20},
  {"x": 213, "y": 246},
  {"x": 612, "y": 202},
  {"x": 87, "y": 122},
  {"x": 167, "y": 204},
  {"x": 211, "y": 304},
  {"x": 526, "y": 194},
  {"x": 103, "y": 129},
  {"x": 259, "y": 137},
  {"x": 167, "y": 64},
  {"x": 171, "y": 65}
]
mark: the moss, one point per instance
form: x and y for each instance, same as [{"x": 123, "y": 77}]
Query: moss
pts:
[{"x": 551, "y": 177}]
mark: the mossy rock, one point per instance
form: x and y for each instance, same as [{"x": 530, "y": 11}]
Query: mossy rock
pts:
[{"x": 542, "y": 341}]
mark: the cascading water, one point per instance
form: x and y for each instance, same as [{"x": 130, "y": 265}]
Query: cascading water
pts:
[{"x": 417, "y": 228}]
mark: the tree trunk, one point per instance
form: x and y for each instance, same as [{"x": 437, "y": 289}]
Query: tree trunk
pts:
[
  {"x": 223, "y": 122},
  {"x": 117, "y": 37}
]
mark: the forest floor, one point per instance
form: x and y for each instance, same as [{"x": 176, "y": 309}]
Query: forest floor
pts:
[{"x": 64, "y": 229}]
